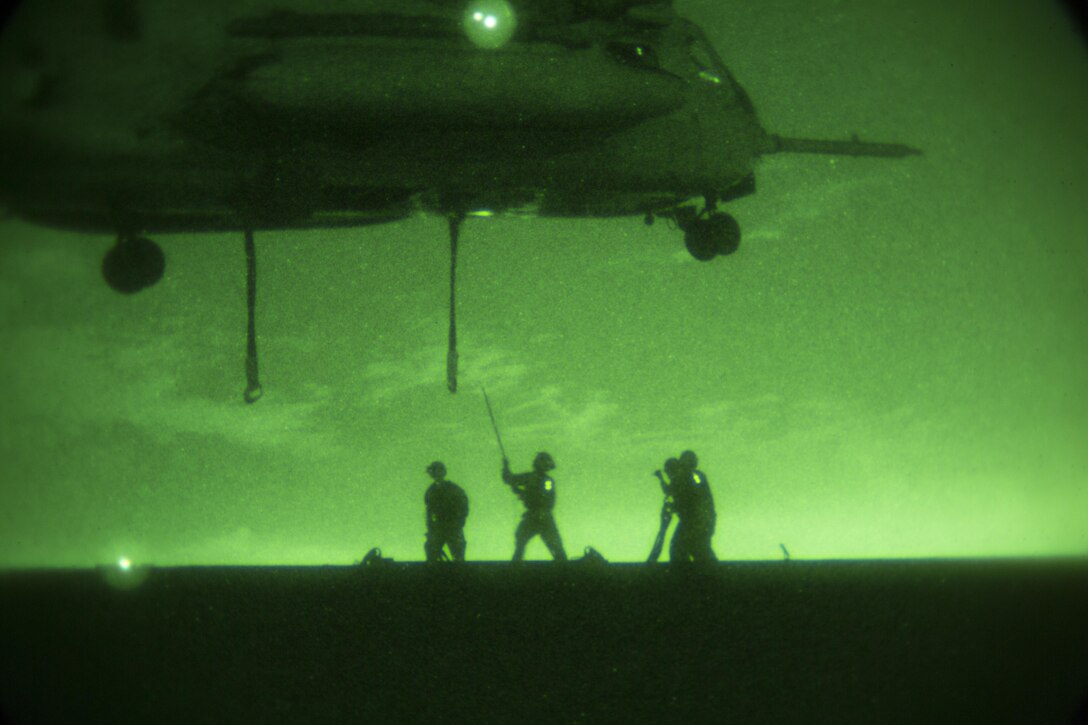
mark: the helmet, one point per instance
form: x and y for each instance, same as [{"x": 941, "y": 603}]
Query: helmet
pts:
[
  {"x": 672, "y": 467},
  {"x": 437, "y": 469},
  {"x": 689, "y": 460},
  {"x": 543, "y": 461}
]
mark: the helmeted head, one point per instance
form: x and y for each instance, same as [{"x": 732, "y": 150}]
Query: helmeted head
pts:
[
  {"x": 689, "y": 460},
  {"x": 543, "y": 462},
  {"x": 672, "y": 468},
  {"x": 437, "y": 470}
]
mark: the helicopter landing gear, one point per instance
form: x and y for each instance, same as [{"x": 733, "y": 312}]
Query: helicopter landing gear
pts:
[
  {"x": 714, "y": 235},
  {"x": 717, "y": 235},
  {"x": 133, "y": 264}
]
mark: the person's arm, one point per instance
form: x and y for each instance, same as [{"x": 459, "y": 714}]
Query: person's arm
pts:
[
  {"x": 517, "y": 481},
  {"x": 665, "y": 488}
]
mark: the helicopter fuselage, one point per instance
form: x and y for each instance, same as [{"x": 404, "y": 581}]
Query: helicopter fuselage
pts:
[
  {"x": 137, "y": 117},
  {"x": 216, "y": 118}
]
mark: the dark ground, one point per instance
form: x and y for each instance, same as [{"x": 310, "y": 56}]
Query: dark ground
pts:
[{"x": 867, "y": 641}]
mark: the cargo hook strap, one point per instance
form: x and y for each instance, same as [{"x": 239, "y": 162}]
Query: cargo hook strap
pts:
[{"x": 253, "y": 385}]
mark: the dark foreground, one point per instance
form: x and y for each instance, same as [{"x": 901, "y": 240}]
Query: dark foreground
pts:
[{"x": 881, "y": 641}]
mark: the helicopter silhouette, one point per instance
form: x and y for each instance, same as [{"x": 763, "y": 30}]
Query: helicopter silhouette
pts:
[{"x": 136, "y": 117}]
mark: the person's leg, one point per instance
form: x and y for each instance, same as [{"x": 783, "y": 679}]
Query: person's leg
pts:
[
  {"x": 457, "y": 544},
  {"x": 550, "y": 533},
  {"x": 680, "y": 547},
  {"x": 711, "y": 556},
  {"x": 522, "y": 535},
  {"x": 432, "y": 547}
]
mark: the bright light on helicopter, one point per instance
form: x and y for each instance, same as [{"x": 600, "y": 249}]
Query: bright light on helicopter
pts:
[
  {"x": 710, "y": 77},
  {"x": 489, "y": 23}
]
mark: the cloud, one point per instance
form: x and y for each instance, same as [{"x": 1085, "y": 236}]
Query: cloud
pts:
[
  {"x": 425, "y": 369},
  {"x": 383, "y": 380},
  {"x": 242, "y": 545},
  {"x": 555, "y": 414},
  {"x": 77, "y": 377}
]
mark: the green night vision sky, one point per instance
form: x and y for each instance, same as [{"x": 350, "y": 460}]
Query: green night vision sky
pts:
[{"x": 895, "y": 364}]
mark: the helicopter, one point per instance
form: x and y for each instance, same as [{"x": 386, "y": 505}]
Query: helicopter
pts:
[{"x": 137, "y": 117}]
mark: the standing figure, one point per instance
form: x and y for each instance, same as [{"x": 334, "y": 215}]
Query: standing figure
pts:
[
  {"x": 447, "y": 509},
  {"x": 536, "y": 489},
  {"x": 672, "y": 470},
  {"x": 695, "y": 506}
]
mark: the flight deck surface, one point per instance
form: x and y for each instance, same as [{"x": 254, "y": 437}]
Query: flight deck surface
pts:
[{"x": 799, "y": 641}]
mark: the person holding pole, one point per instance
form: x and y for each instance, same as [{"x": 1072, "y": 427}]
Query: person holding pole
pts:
[
  {"x": 695, "y": 505},
  {"x": 536, "y": 489}
]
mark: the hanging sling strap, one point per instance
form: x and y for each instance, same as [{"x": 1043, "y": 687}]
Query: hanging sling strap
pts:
[
  {"x": 455, "y": 220},
  {"x": 253, "y": 385}
]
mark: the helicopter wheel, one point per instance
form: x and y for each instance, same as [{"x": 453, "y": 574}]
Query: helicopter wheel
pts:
[
  {"x": 717, "y": 235},
  {"x": 133, "y": 264}
]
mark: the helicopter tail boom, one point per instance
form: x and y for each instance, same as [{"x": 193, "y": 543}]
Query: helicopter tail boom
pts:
[{"x": 854, "y": 147}]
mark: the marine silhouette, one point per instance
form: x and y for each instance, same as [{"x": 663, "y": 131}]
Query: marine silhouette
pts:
[
  {"x": 447, "y": 509},
  {"x": 536, "y": 489},
  {"x": 672, "y": 470},
  {"x": 694, "y": 504}
]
